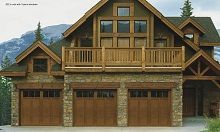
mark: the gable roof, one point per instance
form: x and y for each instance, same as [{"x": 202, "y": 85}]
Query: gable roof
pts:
[
  {"x": 211, "y": 36},
  {"x": 194, "y": 23},
  {"x": 102, "y": 2},
  {"x": 34, "y": 46},
  {"x": 199, "y": 54}
]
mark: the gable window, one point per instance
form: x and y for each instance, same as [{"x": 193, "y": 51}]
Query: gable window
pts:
[
  {"x": 40, "y": 65},
  {"x": 140, "y": 26},
  {"x": 190, "y": 36},
  {"x": 123, "y": 11},
  {"x": 123, "y": 26},
  {"x": 106, "y": 27}
]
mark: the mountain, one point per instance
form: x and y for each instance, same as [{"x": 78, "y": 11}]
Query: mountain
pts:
[
  {"x": 15, "y": 46},
  {"x": 217, "y": 50}
]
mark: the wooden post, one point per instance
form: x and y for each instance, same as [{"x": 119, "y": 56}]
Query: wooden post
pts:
[
  {"x": 143, "y": 58},
  {"x": 103, "y": 58},
  {"x": 63, "y": 58},
  {"x": 183, "y": 58}
]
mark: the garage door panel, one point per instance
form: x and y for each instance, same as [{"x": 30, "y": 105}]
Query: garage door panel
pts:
[
  {"x": 133, "y": 111},
  {"x": 89, "y": 116},
  {"x": 100, "y": 112},
  {"x": 164, "y": 112},
  {"x": 143, "y": 112},
  {"x": 109, "y": 111},
  {"x": 154, "y": 112},
  {"x": 79, "y": 112}
]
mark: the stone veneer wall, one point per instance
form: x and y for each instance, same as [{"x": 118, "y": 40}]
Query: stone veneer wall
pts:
[
  {"x": 31, "y": 78},
  {"x": 122, "y": 92}
]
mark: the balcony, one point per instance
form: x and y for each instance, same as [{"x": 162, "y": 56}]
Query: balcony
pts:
[{"x": 77, "y": 59}]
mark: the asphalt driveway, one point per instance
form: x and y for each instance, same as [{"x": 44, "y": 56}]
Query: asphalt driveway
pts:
[{"x": 190, "y": 125}]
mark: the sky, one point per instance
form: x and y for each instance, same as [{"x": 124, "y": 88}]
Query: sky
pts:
[{"x": 16, "y": 17}]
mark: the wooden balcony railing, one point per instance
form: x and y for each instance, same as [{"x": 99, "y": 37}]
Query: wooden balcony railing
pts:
[{"x": 122, "y": 57}]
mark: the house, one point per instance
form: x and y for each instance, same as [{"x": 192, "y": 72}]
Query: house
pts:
[{"x": 122, "y": 64}]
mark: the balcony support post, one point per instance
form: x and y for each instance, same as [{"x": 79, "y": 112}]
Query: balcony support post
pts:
[
  {"x": 143, "y": 58},
  {"x": 103, "y": 58},
  {"x": 63, "y": 58}
]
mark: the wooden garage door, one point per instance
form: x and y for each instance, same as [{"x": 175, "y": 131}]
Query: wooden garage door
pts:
[
  {"x": 40, "y": 108},
  {"x": 94, "y": 108},
  {"x": 149, "y": 108}
]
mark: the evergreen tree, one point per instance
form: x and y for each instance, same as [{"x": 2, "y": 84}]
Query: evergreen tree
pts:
[
  {"x": 51, "y": 41},
  {"x": 38, "y": 33},
  {"x": 5, "y": 96},
  {"x": 187, "y": 9}
]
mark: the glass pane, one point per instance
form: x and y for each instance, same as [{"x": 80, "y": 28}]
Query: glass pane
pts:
[
  {"x": 154, "y": 94},
  {"x": 105, "y": 94},
  {"x": 106, "y": 27},
  {"x": 86, "y": 42},
  {"x": 46, "y": 94},
  {"x": 140, "y": 26},
  {"x": 51, "y": 93},
  {"x": 40, "y": 65},
  {"x": 190, "y": 36},
  {"x": 123, "y": 26},
  {"x": 37, "y": 94},
  {"x": 139, "y": 93},
  {"x": 79, "y": 94},
  {"x": 123, "y": 11},
  {"x": 57, "y": 93},
  {"x": 25, "y": 93}
]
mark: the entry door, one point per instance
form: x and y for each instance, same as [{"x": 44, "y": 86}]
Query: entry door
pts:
[{"x": 188, "y": 102}]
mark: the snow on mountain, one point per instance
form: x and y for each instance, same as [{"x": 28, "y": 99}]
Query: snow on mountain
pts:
[
  {"x": 217, "y": 50},
  {"x": 15, "y": 46}
]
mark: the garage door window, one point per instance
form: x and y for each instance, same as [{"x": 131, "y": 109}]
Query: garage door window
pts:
[
  {"x": 159, "y": 94},
  {"x": 51, "y": 93},
  {"x": 85, "y": 93},
  {"x": 138, "y": 93},
  {"x": 31, "y": 93},
  {"x": 105, "y": 94}
]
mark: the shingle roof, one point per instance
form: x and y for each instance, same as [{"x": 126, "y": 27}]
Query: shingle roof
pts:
[
  {"x": 211, "y": 34},
  {"x": 15, "y": 68}
]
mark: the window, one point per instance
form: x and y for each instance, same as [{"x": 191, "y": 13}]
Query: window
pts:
[
  {"x": 159, "y": 94},
  {"x": 123, "y": 11},
  {"x": 140, "y": 26},
  {"x": 124, "y": 26},
  {"x": 138, "y": 93},
  {"x": 85, "y": 93},
  {"x": 105, "y": 94},
  {"x": 106, "y": 27},
  {"x": 40, "y": 65},
  {"x": 190, "y": 36},
  {"x": 31, "y": 93},
  {"x": 160, "y": 42},
  {"x": 51, "y": 93}
]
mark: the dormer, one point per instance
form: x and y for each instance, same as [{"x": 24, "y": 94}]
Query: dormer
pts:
[{"x": 192, "y": 30}]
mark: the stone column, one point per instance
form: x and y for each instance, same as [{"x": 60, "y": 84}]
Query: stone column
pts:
[
  {"x": 67, "y": 103},
  {"x": 14, "y": 105},
  {"x": 122, "y": 105},
  {"x": 177, "y": 104}
]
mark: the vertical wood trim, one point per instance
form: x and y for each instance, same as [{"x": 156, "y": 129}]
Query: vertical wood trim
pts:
[
  {"x": 94, "y": 30},
  {"x": 132, "y": 9},
  {"x": 196, "y": 38},
  {"x": 115, "y": 27},
  {"x": 98, "y": 30},
  {"x": 199, "y": 68},
  {"x": 151, "y": 30},
  {"x": 183, "y": 57},
  {"x": 172, "y": 40},
  {"x": 63, "y": 58}
]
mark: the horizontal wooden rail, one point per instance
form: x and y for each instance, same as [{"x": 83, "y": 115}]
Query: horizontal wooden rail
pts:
[{"x": 123, "y": 57}]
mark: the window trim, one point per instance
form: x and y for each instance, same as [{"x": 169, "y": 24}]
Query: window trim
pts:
[
  {"x": 40, "y": 57},
  {"x": 100, "y": 22},
  {"x": 116, "y": 5}
]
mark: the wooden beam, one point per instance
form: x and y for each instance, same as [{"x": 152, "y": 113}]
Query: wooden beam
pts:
[
  {"x": 205, "y": 70},
  {"x": 216, "y": 83},
  {"x": 63, "y": 58},
  {"x": 12, "y": 74},
  {"x": 201, "y": 77},
  {"x": 183, "y": 58},
  {"x": 199, "y": 68},
  {"x": 193, "y": 71}
]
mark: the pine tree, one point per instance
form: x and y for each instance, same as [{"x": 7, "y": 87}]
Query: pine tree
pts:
[
  {"x": 38, "y": 33},
  {"x": 51, "y": 41},
  {"x": 5, "y": 96},
  {"x": 187, "y": 9}
]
